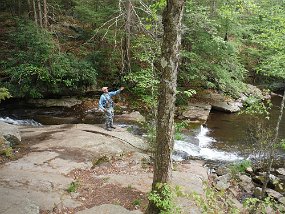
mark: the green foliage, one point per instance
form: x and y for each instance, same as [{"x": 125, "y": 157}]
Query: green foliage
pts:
[
  {"x": 254, "y": 106},
  {"x": 266, "y": 26},
  {"x": 36, "y": 68},
  {"x": 255, "y": 205},
  {"x": 4, "y": 93},
  {"x": 73, "y": 186},
  {"x": 178, "y": 129},
  {"x": 144, "y": 78},
  {"x": 163, "y": 198},
  {"x": 239, "y": 167},
  {"x": 7, "y": 152},
  {"x": 95, "y": 12},
  {"x": 214, "y": 202},
  {"x": 136, "y": 202},
  {"x": 209, "y": 60},
  {"x": 183, "y": 96}
]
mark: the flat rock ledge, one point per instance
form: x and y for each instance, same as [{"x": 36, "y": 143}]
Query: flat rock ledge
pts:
[{"x": 39, "y": 180}]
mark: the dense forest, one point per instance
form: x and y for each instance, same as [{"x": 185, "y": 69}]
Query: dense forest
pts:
[{"x": 51, "y": 48}]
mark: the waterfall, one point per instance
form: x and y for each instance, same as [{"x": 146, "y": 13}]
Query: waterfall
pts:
[
  {"x": 27, "y": 122},
  {"x": 204, "y": 139},
  {"x": 200, "y": 147}
]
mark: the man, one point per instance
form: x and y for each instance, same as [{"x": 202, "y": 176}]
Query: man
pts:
[{"x": 106, "y": 104}]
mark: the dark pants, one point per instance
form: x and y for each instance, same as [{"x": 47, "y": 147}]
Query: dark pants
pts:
[{"x": 109, "y": 116}]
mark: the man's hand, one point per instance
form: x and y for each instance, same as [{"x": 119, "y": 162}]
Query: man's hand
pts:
[{"x": 122, "y": 88}]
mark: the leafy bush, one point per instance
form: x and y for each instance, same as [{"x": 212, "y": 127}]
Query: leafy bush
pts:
[
  {"x": 163, "y": 198},
  {"x": 4, "y": 93},
  {"x": 73, "y": 186},
  {"x": 36, "y": 68},
  {"x": 214, "y": 201},
  {"x": 239, "y": 167},
  {"x": 268, "y": 205}
]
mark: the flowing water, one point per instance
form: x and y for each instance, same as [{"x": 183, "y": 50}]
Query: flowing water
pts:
[{"x": 227, "y": 137}]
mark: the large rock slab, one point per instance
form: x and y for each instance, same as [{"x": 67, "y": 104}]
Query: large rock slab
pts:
[
  {"x": 63, "y": 102},
  {"x": 88, "y": 140},
  {"x": 223, "y": 103}
]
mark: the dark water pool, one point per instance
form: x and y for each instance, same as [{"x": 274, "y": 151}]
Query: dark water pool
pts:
[{"x": 237, "y": 133}]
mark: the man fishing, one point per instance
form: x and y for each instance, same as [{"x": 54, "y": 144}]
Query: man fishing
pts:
[{"x": 106, "y": 104}]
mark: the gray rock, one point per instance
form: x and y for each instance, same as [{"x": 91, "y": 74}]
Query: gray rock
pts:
[
  {"x": 273, "y": 193},
  {"x": 246, "y": 183},
  {"x": 229, "y": 106},
  {"x": 281, "y": 171},
  {"x": 134, "y": 116},
  {"x": 249, "y": 170},
  {"x": 65, "y": 102},
  {"x": 10, "y": 133},
  {"x": 282, "y": 200},
  {"x": 222, "y": 170},
  {"x": 222, "y": 103},
  {"x": 223, "y": 182},
  {"x": 197, "y": 111},
  {"x": 108, "y": 209},
  {"x": 257, "y": 192},
  {"x": 26, "y": 206}
]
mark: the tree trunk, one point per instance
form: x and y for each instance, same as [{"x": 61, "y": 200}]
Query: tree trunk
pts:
[
  {"x": 45, "y": 13},
  {"x": 172, "y": 16},
  {"x": 127, "y": 39},
  {"x": 272, "y": 147},
  {"x": 30, "y": 9},
  {"x": 40, "y": 17},
  {"x": 35, "y": 12}
]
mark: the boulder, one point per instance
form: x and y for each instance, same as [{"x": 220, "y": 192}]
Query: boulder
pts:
[
  {"x": 282, "y": 200},
  {"x": 223, "y": 182},
  {"x": 254, "y": 91},
  {"x": 195, "y": 111},
  {"x": 10, "y": 133},
  {"x": 64, "y": 102},
  {"x": 221, "y": 102},
  {"x": 222, "y": 170},
  {"x": 273, "y": 193},
  {"x": 281, "y": 171},
  {"x": 246, "y": 183},
  {"x": 134, "y": 116},
  {"x": 257, "y": 192}
]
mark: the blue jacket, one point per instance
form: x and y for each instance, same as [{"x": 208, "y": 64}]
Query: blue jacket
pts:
[{"x": 107, "y": 98}]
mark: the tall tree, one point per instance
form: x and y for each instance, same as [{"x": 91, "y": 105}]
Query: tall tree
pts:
[
  {"x": 40, "y": 13},
  {"x": 127, "y": 37},
  {"x": 45, "y": 13},
  {"x": 172, "y": 16}
]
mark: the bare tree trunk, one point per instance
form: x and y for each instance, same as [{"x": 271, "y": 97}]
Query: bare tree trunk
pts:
[
  {"x": 172, "y": 17},
  {"x": 35, "y": 12},
  {"x": 19, "y": 7},
  {"x": 127, "y": 39},
  {"x": 272, "y": 147},
  {"x": 45, "y": 13},
  {"x": 30, "y": 8},
  {"x": 40, "y": 17}
]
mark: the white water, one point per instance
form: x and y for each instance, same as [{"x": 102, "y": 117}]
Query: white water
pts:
[
  {"x": 20, "y": 122},
  {"x": 203, "y": 150}
]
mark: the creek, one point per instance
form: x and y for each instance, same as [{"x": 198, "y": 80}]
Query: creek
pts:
[{"x": 224, "y": 137}]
